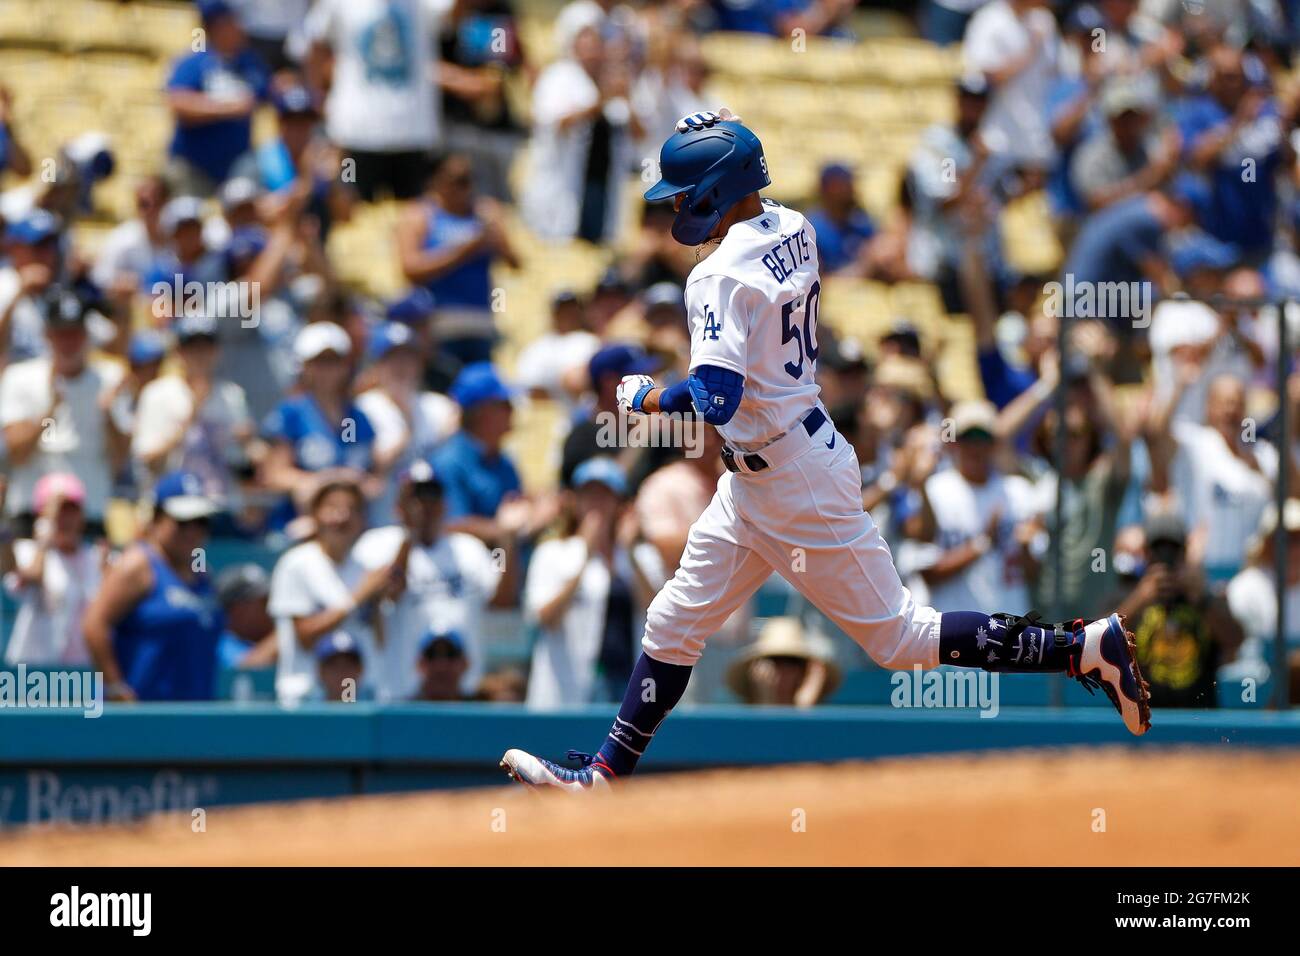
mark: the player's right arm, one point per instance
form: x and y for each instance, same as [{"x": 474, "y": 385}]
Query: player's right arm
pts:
[{"x": 719, "y": 316}]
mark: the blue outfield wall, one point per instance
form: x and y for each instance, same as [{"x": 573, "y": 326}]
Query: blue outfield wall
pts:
[{"x": 57, "y": 766}]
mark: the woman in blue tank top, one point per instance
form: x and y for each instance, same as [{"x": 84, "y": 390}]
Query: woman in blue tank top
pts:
[
  {"x": 153, "y": 627},
  {"x": 447, "y": 242}
]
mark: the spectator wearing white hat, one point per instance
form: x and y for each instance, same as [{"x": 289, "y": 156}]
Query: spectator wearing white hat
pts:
[
  {"x": 52, "y": 576},
  {"x": 322, "y": 427},
  {"x": 784, "y": 667}
]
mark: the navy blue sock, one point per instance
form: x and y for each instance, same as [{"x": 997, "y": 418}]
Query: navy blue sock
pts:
[
  {"x": 1006, "y": 642},
  {"x": 638, "y": 718}
]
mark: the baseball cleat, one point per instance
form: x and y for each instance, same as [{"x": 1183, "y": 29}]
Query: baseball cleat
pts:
[
  {"x": 1108, "y": 660},
  {"x": 536, "y": 773}
]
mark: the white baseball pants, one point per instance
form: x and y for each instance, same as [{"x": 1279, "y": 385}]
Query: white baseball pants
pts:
[{"x": 801, "y": 517}]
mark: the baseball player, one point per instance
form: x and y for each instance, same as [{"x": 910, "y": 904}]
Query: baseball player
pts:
[{"x": 791, "y": 498}]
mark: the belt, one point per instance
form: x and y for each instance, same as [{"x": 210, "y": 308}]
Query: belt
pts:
[{"x": 813, "y": 421}]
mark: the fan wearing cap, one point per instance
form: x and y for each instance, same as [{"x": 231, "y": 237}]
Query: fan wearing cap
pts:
[
  {"x": 554, "y": 365},
  {"x": 52, "y": 577},
  {"x": 982, "y": 522},
  {"x": 482, "y": 487},
  {"x": 784, "y": 667},
  {"x": 144, "y": 358},
  {"x": 844, "y": 230},
  {"x": 1184, "y": 631},
  {"x": 249, "y": 639},
  {"x": 451, "y": 578},
  {"x": 447, "y": 242},
  {"x": 1131, "y": 153},
  {"x": 54, "y": 415},
  {"x": 409, "y": 421},
  {"x": 1252, "y": 598},
  {"x": 33, "y": 246},
  {"x": 154, "y": 625},
  {"x": 320, "y": 586},
  {"x": 186, "y": 254},
  {"x": 340, "y": 665},
  {"x": 212, "y": 95},
  {"x": 194, "y": 421},
  {"x": 322, "y": 427},
  {"x": 442, "y": 666},
  {"x": 588, "y": 592}
]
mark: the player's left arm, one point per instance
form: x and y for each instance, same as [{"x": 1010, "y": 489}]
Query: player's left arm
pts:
[{"x": 716, "y": 382}]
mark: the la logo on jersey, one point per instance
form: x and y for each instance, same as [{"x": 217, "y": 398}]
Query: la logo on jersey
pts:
[{"x": 711, "y": 325}]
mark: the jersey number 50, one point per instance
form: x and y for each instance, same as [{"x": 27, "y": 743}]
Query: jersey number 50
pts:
[{"x": 807, "y": 340}]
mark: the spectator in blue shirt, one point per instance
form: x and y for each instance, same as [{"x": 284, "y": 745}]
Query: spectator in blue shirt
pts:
[
  {"x": 447, "y": 242},
  {"x": 185, "y": 259},
  {"x": 153, "y": 627},
  {"x": 212, "y": 95},
  {"x": 1235, "y": 135},
  {"x": 779, "y": 17},
  {"x": 1123, "y": 242},
  {"x": 1202, "y": 263},
  {"x": 477, "y": 475},
  {"x": 843, "y": 227},
  {"x": 249, "y": 637},
  {"x": 320, "y": 428}
]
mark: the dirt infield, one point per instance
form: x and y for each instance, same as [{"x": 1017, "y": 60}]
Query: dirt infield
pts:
[{"x": 1087, "y": 807}]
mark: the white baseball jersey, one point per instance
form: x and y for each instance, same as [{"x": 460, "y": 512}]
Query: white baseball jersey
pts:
[{"x": 752, "y": 307}]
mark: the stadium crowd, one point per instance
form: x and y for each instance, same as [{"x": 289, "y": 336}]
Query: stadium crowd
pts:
[{"x": 206, "y": 365}]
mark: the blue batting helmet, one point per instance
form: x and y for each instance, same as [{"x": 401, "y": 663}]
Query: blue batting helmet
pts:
[{"x": 716, "y": 163}]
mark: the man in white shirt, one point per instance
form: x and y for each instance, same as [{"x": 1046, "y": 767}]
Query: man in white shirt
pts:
[
  {"x": 54, "y": 415},
  {"x": 194, "y": 421},
  {"x": 129, "y": 251},
  {"x": 383, "y": 108},
  {"x": 450, "y": 580},
  {"x": 1015, "y": 44},
  {"x": 981, "y": 521}
]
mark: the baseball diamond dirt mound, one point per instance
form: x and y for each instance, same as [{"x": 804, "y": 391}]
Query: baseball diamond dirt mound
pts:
[{"x": 1060, "y": 807}]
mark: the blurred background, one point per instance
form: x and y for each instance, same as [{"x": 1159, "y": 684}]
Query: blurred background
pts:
[{"x": 310, "y": 313}]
